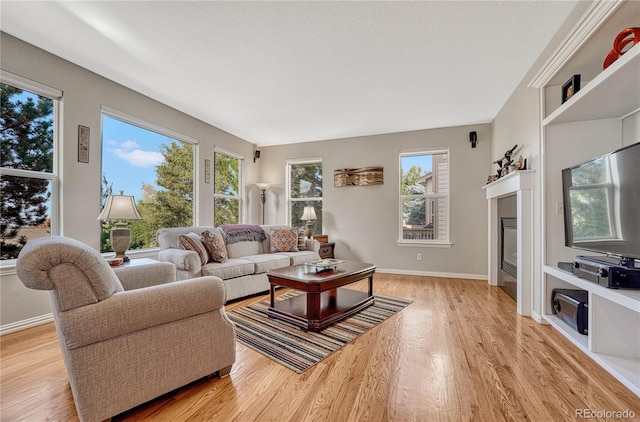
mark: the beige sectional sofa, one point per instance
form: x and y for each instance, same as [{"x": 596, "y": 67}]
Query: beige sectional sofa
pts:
[{"x": 243, "y": 273}]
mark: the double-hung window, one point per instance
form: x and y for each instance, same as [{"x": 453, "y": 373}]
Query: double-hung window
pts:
[
  {"x": 227, "y": 198},
  {"x": 155, "y": 166},
  {"x": 28, "y": 171},
  {"x": 424, "y": 197},
  {"x": 304, "y": 189}
]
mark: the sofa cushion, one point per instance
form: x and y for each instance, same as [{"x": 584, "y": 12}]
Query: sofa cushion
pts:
[
  {"x": 284, "y": 240},
  {"x": 192, "y": 242},
  {"x": 300, "y": 257},
  {"x": 302, "y": 243},
  {"x": 266, "y": 262},
  {"x": 229, "y": 269},
  {"x": 215, "y": 246}
]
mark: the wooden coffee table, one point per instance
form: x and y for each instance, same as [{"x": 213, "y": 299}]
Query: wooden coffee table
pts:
[{"x": 325, "y": 300}]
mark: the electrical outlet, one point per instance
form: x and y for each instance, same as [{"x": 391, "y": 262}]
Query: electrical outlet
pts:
[
  {"x": 559, "y": 207},
  {"x": 419, "y": 256}
]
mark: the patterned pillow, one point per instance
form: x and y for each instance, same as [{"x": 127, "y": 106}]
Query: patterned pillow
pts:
[
  {"x": 302, "y": 244},
  {"x": 192, "y": 242},
  {"x": 284, "y": 240},
  {"x": 215, "y": 246}
]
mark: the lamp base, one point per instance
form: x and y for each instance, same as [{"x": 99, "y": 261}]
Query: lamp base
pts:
[
  {"x": 120, "y": 241},
  {"x": 309, "y": 229}
]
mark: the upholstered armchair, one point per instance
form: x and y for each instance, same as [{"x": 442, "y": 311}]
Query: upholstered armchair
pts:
[{"x": 123, "y": 340}]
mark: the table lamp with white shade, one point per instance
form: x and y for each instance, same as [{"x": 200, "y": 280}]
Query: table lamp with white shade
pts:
[
  {"x": 120, "y": 207},
  {"x": 309, "y": 214}
]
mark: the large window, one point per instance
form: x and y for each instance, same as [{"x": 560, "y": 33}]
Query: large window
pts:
[
  {"x": 28, "y": 176},
  {"x": 424, "y": 197},
  {"x": 304, "y": 188},
  {"x": 154, "y": 165},
  {"x": 226, "y": 196}
]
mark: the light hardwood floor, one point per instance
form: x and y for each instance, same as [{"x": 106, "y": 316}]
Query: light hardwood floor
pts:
[{"x": 459, "y": 352}]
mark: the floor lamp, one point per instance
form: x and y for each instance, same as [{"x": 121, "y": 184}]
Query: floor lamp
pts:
[{"x": 263, "y": 197}]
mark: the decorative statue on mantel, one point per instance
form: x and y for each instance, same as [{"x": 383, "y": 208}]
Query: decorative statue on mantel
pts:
[{"x": 506, "y": 165}]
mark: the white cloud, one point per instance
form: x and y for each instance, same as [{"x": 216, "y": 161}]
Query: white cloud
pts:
[
  {"x": 139, "y": 158},
  {"x": 129, "y": 144}
]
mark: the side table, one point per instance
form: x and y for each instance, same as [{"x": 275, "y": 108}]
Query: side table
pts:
[{"x": 326, "y": 250}]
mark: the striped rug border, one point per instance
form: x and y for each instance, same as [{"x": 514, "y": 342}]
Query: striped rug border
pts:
[{"x": 298, "y": 350}]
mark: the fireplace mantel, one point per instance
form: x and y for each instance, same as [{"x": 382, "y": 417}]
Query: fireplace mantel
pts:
[{"x": 518, "y": 183}]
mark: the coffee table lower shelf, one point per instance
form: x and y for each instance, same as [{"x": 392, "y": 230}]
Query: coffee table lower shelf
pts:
[{"x": 316, "y": 310}]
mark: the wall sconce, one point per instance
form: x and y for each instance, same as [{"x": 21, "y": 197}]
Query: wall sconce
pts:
[
  {"x": 473, "y": 138},
  {"x": 256, "y": 155}
]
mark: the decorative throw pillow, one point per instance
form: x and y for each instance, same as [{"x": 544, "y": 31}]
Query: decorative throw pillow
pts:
[
  {"x": 302, "y": 244},
  {"x": 192, "y": 242},
  {"x": 215, "y": 246},
  {"x": 284, "y": 240}
]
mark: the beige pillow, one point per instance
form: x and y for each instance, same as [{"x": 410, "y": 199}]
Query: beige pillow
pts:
[
  {"x": 192, "y": 242},
  {"x": 284, "y": 240}
]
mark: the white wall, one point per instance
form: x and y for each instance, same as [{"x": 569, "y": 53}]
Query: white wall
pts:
[
  {"x": 84, "y": 93},
  {"x": 363, "y": 220}
]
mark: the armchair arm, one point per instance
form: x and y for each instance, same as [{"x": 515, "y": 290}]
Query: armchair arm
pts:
[
  {"x": 183, "y": 259},
  {"x": 129, "y": 311},
  {"x": 137, "y": 277}
]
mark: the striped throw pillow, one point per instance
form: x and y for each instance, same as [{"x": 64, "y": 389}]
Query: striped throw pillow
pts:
[{"x": 192, "y": 242}]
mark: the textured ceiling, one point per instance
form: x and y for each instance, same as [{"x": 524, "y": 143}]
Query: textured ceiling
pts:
[{"x": 283, "y": 72}]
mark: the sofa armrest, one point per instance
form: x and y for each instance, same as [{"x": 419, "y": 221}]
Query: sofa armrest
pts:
[
  {"x": 183, "y": 259},
  {"x": 130, "y": 311},
  {"x": 312, "y": 245},
  {"x": 137, "y": 277}
]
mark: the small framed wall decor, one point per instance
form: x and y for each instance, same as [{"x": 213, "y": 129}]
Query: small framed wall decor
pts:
[
  {"x": 207, "y": 170},
  {"x": 84, "y": 135},
  {"x": 570, "y": 88}
]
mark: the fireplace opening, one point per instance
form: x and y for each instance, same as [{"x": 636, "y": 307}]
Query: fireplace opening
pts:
[{"x": 508, "y": 274}]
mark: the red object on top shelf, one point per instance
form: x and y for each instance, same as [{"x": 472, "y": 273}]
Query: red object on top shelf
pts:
[{"x": 624, "y": 38}]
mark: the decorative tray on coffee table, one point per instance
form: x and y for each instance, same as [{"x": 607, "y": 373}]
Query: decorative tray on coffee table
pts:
[{"x": 324, "y": 264}]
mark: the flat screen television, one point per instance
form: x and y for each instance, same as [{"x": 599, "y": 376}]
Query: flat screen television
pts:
[{"x": 601, "y": 199}]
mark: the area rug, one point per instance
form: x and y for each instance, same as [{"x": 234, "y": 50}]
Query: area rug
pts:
[{"x": 299, "y": 350}]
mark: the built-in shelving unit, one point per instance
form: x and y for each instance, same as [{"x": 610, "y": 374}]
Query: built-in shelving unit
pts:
[{"x": 613, "y": 340}]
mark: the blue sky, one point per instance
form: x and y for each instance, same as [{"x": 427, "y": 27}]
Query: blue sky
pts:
[
  {"x": 130, "y": 156},
  {"x": 423, "y": 161}
]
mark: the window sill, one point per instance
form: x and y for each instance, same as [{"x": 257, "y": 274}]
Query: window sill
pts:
[{"x": 423, "y": 244}]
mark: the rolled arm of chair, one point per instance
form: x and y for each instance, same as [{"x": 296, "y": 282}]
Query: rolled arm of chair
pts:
[
  {"x": 129, "y": 311},
  {"x": 183, "y": 259}
]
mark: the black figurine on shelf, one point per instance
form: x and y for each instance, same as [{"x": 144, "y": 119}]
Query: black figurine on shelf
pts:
[{"x": 505, "y": 162}]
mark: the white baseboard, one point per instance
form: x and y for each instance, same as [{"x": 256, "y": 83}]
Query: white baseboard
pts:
[
  {"x": 538, "y": 318},
  {"x": 434, "y": 274},
  {"x": 24, "y": 324}
]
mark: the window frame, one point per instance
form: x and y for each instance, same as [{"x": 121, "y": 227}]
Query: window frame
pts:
[
  {"x": 56, "y": 96},
  {"x": 440, "y": 243},
  {"x": 241, "y": 192},
  {"x": 289, "y": 199},
  {"x": 144, "y": 124}
]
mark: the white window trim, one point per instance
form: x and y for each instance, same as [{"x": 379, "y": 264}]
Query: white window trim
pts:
[
  {"x": 137, "y": 121},
  {"x": 287, "y": 178},
  {"x": 446, "y": 243},
  {"x": 54, "y": 94}
]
